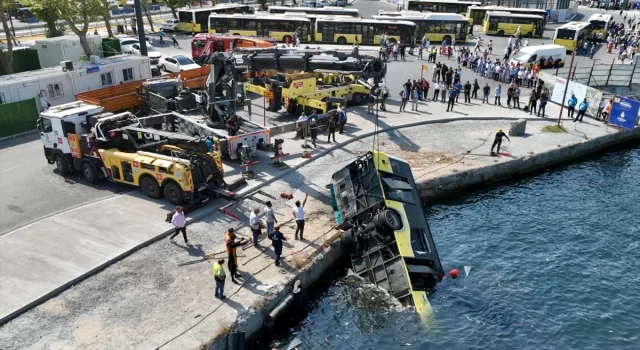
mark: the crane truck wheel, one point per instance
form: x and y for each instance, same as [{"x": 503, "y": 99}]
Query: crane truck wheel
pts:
[
  {"x": 387, "y": 221},
  {"x": 63, "y": 165},
  {"x": 173, "y": 193},
  {"x": 150, "y": 187},
  {"x": 357, "y": 98},
  {"x": 89, "y": 172}
]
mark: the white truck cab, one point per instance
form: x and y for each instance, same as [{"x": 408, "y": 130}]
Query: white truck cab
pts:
[{"x": 54, "y": 125}]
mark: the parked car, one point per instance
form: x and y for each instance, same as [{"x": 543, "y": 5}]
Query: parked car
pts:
[
  {"x": 170, "y": 25},
  {"x": 341, "y": 3},
  {"x": 174, "y": 64},
  {"x": 153, "y": 53},
  {"x": 126, "y": 42}
]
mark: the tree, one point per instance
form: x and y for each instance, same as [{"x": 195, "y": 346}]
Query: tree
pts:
[
  {"x": 174, "y": 4},
  {"x": 77, "y": 11},
  {"x": 144, "y": 4},
  {"x": 45, "y": 12},
  {"x": 6, "y": 58},
  {"x": 263, "y": 4},
  {"x": 106, "y": 16}
]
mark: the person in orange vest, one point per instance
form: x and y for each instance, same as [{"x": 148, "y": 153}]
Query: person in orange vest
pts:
[{"x": 231, "y": 244}]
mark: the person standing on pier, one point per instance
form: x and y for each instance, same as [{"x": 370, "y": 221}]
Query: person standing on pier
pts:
[
  {"x": 255, "y": 223},
  {"x": 180, "y": 224},
  {"x": 497, "y": 141},
  {"x": 298, "y": 215},
  {"x": 571, "y": 106},
  {"x": 232, "y": 245},
  {"x": 219, "y": 276},
  {"x": 582, "y": 109},
  {"x": 269, "y": 217},
  {"x": 276, "y": 239}
]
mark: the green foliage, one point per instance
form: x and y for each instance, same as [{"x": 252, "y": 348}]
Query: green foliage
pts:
[
  {"x": 263, "y": 4},
  {"x": 48, "y": 14}
]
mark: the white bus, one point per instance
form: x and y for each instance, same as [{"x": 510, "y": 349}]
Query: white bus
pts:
[{"x": 600, "y": 24}]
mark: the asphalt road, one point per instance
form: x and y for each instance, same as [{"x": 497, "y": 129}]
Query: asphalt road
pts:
[{"x": 30, "y": 189}]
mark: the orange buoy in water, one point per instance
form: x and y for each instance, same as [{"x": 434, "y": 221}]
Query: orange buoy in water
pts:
[{"x": 453, "y": 273}]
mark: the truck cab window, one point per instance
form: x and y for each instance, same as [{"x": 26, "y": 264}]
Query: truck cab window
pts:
[{"x": 46, "y": 125}]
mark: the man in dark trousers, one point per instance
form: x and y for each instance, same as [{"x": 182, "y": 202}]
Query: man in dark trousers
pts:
[
  {"x": 342, "y": 119},
  {"x": 276, "y": 239},
  {"x": 467, "y": 92},
  {"x": 497, "y": 141},
  {"x": 452, "y": 98},
  {"x": 298, "y": 215},
  {"x": 230, "y": 242},
  {"x": 332, "y": 124},
  {"x": 313, "y": 126}
]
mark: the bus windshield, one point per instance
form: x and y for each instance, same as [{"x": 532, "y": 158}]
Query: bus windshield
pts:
[
  {"x": 598, "y": 25},
  {"x": 568, "y": 34},
  {"x": 522, "y": 57}
]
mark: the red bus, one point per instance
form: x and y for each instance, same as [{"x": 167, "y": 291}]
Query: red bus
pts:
[{"x": 204, "y": 44}]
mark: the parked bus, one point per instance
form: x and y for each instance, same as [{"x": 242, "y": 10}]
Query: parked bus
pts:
[
  {"x": 326, "y": 11},
  {"x": 477, "y": 13},
  {"x": 341, "y": 30},
  {"x": 197, "y": 20},
  {"x": 276, "y": 26},
  {"x": 446, "y": 6},
  {"x": 505, "y": 23},
  {"x": 600, "y": 24},
  {"x": 572, "y": 35},
  {"x": 436, "y": 26}
]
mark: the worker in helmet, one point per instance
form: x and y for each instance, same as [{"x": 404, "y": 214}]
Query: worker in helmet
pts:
[
  {"x": 231, "y": 245},
  {"x": 497, "y": 141},
  {"x": 232, "y": 125}
]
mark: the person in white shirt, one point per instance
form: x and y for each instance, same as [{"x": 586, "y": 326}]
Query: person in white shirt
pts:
[
  {"x": 298, "y": 215},
  {"x": 255, "y": 224},
  {"x": 179, "y": 222},
  {"x": 269, "y": 218}
]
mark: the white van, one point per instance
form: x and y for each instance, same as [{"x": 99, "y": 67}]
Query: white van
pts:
[{"x": 530, "y": 55}]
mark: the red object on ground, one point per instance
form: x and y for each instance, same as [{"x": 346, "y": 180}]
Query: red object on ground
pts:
[
  {"x": 453, "y": 273},
  {"x": 506, "y": 154}
]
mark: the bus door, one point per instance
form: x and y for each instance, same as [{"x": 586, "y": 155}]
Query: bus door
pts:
[
  {"x": 261, "y": 29},
  {"x": 368, "y": 34},
  {"x": 538, "y": 31},
  {"x": 461, "y": 31},
  {"x": 328, "y": 32},
  {"x": 493, "y": 23}
]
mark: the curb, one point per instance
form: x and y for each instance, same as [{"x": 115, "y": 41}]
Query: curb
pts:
[{"x": 17, "y": 136}]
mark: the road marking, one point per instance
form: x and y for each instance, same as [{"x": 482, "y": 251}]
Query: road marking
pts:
[{"x": 13, "y": 168}]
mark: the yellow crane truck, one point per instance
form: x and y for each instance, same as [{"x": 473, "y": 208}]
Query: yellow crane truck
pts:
[{"x": 80, "y": 137}]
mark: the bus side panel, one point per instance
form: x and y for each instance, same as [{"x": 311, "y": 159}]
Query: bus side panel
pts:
[
  {"x": 244, "y": 32},
  {"x": 279, "y": 35},
  {"x": 568, "y": 43},
  {"x": 185, "y": 26}
]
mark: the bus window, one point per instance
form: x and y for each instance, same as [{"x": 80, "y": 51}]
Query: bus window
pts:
[
  {"x": 565, "y": 34},
  {"x": 185, "y": 16}
]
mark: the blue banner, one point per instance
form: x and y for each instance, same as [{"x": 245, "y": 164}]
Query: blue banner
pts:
[
  {"x": 94, "y": 69},
  {"x": 624, "y": 112}
]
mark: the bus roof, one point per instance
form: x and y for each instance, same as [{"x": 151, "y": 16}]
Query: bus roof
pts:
[
  {"x": 600, "y": 17},
  {"x": 509, "y": 14},
  {"x": 507, "y": 9},
  {"x": 436, "y": 16},
  {"x": 259, "y": 16},
  {"x": 369, "y": 21},
  {"x": 217, "y": 7},
  {"x": 400, "y": 13},
  {"x": 574, "y": 25},
  {"x": 313, "y": 9},
  {"x": 448, "y": 2}
]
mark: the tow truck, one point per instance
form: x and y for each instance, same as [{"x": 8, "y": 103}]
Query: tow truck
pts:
[
  {"x": 308, "y": 79},
  {"x": 80, "y": 137},
  {"x": 204, "y": 44},
  {"x": 206, "y": 112},
  {"x": 385, "y": 230}
]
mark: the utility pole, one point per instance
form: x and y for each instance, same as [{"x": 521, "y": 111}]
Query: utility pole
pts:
[
  {"x": 566, "y": 85},
  {"x": 140, "y": 27}
]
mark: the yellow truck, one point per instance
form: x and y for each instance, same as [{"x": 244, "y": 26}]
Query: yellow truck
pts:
[{"x": 79, "y": 137}]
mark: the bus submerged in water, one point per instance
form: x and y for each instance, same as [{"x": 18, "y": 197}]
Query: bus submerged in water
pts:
[{"x": 385, "y": 230}]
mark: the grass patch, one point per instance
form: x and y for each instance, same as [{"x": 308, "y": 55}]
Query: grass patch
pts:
[{"x": 554, "y": 128}]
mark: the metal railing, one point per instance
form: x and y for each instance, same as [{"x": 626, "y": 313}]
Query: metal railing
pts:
[{"x": 601, "y": 74}]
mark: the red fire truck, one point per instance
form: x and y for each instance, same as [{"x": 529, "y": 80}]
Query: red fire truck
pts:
[{"x": 204, "y": 44}]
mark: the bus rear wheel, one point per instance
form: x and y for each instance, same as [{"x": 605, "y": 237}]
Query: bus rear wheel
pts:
[
  {"x": 529, "y": 35},
  {"x": 392, "y": 41},
  {"x": 447, "y": 39},
  {"x": 500, "y": 32},
  {"x": 342, "y": 41}
]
